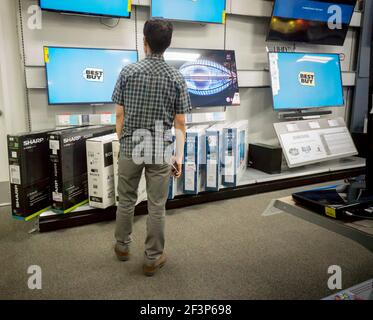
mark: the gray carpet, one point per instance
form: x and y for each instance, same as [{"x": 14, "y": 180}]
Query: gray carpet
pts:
[
  {"x": 222, "y": 250},
  {"x": 4, "y": 193}
]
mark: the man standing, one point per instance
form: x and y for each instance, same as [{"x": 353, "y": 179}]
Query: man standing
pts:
[{"x": 149, "y": 95}]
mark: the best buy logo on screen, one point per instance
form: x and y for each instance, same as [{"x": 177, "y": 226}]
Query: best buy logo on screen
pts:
[
  {"x": 94, "y": 75},
  {"x": 307, "y": 79}
]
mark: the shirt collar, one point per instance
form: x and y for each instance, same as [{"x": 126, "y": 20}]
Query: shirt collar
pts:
[{"x": 154, "y": 56}]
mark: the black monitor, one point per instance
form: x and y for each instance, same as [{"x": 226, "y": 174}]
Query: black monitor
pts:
[
  {"x": 323, "y": 22},
  {"x": 369, "y": 173},
  {"x": 112, "y": 8}
]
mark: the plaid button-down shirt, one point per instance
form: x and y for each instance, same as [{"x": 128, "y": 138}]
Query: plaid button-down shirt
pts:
[{"x": 152, "y": 93}]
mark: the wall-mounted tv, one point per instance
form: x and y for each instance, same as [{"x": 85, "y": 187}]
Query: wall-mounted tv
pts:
[
  {"x": 305, "y": 80},
  {"x": 110, "y": 8},
  {"x": 84, "y": 75},
  {"x": 204, "y": 11},
  {"x": 323, "y": 22},
  {"x": 211, "y": 75}
]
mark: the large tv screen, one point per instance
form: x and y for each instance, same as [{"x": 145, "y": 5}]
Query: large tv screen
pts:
[
  {"x": 205, "y": 11},
  {"x": 82, "y": 75},
  {"x": 305, "y": 80},
  {"x": 319, "y": 22},
  {"x": 211, "y": 75},
  {"x": 111, "y": 8}
]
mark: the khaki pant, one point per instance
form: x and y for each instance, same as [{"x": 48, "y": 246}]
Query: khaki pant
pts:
[{"x": 157, "y": 184}]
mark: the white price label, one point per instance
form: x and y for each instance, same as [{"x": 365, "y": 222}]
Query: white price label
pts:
[
  {"x": 57, "y": 196},
  {"x": 15, "y": 174}
]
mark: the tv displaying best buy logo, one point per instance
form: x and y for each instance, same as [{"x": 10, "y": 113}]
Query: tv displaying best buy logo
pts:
[
  {"x": 307, "y": 79},
  {"x": 84, "y": 75}
]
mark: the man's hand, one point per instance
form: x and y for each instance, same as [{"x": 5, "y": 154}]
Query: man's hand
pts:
[{"x": 177, "y": 167}]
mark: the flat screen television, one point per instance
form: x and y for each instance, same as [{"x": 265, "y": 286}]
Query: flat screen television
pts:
[
  {"x": 211, "y": 75},
  {"x": 311, "y": 21},
  {"x": 83, "y": 75},
  {"x": 305, "y": 80},
  {"x": 110, "y": 8},
  {"x": 205, "y": 11}
]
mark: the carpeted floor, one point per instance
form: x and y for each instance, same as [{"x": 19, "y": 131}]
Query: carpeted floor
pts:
[{"x": 222, "y": 250}]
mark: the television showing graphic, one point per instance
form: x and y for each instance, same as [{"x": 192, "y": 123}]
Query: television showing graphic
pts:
[
  {"x": 83, "y": 75},
  {"x": 111, "y": 8},
  {"x": 305, "y": 80},
  {"x": 211, "y": 75},
  {"x": 323, "y": 22},
  {"x": 206, "y": 11}
]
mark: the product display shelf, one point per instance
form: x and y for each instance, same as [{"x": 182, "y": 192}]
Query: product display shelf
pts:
[
  {"x": 252, "y": 182},
  {"x": 358, "y": 230}
]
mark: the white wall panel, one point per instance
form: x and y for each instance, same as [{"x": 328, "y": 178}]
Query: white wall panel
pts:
[
  {"x": 43, "y": 116},
  {"x": 76, "y": 31},
  {"x": 246, "y": 30}
]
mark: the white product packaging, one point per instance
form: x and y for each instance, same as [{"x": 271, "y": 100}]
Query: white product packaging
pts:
[
  {"x": 214, "y": 154},
  {"x": 195, "y": 160},
  {"x": 100, "y": 171},
  {"x": 235, "y": 155}
]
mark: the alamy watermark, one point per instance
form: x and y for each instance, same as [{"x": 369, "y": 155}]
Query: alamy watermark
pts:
[
  {"x": 34, "y": 281},
  {"x": 335, "y": 280},
  {"x": 35, "y": 19}
]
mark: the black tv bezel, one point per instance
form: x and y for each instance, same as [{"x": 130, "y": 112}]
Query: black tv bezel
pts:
[
  {"x": 189, "y": 21},
  {"x": 308, "y": 107},
  {"x": 80, "y": 103},
  {"x": 305, "y": 42},
  {"x": 90, "y": 14},
  {"x": 217, "y": 50}
]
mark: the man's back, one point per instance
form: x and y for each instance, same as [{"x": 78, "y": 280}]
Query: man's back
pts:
[{"x": 152, "y": 92}]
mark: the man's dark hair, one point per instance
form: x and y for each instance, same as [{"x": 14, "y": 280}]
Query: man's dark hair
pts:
[{"x": 158, "y": 34}]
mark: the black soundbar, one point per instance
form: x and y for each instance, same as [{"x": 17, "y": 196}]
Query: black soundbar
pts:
[{"x": 303, "y": 114}]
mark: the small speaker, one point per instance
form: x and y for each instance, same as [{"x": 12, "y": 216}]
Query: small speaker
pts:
[{"x": 265, "y": 158}]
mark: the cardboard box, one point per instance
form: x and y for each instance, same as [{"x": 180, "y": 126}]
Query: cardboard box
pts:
[
  {"x": 68, "y": 165},
  {"x": 141, "y": 193},
  {"x": 214, "y": 154},
  {"x": 101, "y": 171},
  {"x": 195, "y": 160},
  {"x": 235, "y": 153},
  {"x": 29, "y": 176}
]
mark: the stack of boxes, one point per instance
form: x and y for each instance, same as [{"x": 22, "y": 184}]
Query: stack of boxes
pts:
[
  {"x": 67, "y": 168},
  {"x": 214, "y": 154},
  {"x": 194, "y": 163},
  {"x": 234, "y": 152},
  {"x": 68, "y": 165}
]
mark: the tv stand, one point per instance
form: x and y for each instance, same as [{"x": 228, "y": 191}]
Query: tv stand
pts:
[{"x": 304, "y": 114}]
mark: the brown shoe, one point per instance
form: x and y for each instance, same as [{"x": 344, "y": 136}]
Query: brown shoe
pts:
[
  {"x": 122, "y": 255},
  {"x": 151, "y": 270}
]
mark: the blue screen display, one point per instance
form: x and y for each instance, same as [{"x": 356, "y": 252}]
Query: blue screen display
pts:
[
  {"x": 306, "y": 80},
  {"x": 79, "y": 75},
  {"x": 312, "y": 10},
  {"x": 190, "y": 10},
  {"x": 116, "y": 8}
]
